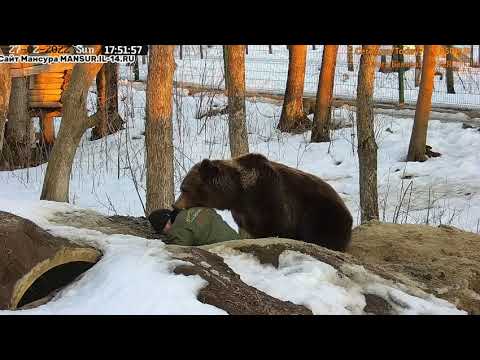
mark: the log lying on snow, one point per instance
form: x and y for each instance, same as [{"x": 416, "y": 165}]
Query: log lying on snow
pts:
[
  {"x": 116, "y": 224},
  {"x": 33, "y": 263},
  {"x": 225, "y": 289}
]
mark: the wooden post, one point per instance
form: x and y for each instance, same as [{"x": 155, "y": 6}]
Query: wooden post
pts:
[
  {"x": 225, "y": 72},
  {"x": 383, "y": 63},
  {"x": 449, "y": 69},
  {"x": 136, "y": 69},
  {"x": 47, "y": 127},
  {"x": 418, "y": 64},
  {"x": 471, "y": 56},
  {"x": 350, "y": 57},
  {"x": 401, "y": 79}
]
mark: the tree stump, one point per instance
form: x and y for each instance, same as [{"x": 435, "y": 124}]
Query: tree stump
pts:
[{"x": 34, "y": 263}]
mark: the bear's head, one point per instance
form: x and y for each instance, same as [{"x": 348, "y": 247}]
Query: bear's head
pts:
[
  {"x": 210, "y": 183},
  {"x": 221, "y": 184}
]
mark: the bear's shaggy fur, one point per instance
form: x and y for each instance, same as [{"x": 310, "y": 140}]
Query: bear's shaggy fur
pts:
[{"x": 269, "y": 199}]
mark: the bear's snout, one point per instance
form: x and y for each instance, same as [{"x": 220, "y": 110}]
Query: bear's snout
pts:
[{"x": 180, "y": 203}]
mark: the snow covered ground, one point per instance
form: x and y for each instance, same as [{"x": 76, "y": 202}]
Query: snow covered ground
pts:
[{"x": 135, "y": 275}]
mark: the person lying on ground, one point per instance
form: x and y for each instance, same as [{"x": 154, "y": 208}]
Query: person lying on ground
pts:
[{"x": 191, "y": 227}]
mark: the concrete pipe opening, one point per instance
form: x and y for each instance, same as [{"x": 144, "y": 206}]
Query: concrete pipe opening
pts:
[{"x": 51, "y": 281}]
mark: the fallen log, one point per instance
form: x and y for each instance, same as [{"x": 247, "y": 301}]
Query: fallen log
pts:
[
  {"x": 33, "y": 263},
  {"x": 225, "y": 289}
]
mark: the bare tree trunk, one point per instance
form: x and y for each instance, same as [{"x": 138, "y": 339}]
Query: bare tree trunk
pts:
[
  {"x": 367, "y": 147},
  {"x": 321, "y": 120},
  {"x": 74, "y": 123},
  {"x": 246, "y": 49},
  {"x": 17, "y": 149},
  {"x": 270, "y": 50},
  {"x": 5, "y": 87},
  {"x": 418, "y": 139},
  {"x": 110, "y": 120},
  {"x": 350, "y": 57},
  {"x": 201, "y": 51},
  {"x": 449, "y": 70},
  {"x": 418, "y": 64},
  {"x": 293, "y": 118},
  {"x": 159, "y": 128},
  {"x": 181, "y": 52},
  {"x": 237, "y": 125}
]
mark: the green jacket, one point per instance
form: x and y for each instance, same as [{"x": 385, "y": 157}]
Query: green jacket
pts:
[{"x": 199, "y": 226}]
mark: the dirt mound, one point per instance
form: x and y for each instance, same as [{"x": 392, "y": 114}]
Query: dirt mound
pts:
[{"x": 443, "y": 260}]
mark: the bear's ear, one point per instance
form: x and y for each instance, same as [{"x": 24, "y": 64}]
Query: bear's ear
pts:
[{"x": 208, "y": 170}]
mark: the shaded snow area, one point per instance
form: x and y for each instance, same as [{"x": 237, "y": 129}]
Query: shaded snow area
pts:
[{"x": 306, "y": 281}]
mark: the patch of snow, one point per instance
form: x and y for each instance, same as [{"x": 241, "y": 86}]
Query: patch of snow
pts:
[{"x": 318, "y": 286}]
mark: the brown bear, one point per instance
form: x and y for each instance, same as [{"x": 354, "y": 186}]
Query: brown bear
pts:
[{"x": 269, "y": 199}]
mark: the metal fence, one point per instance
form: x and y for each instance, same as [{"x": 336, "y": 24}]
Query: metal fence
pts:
[{"x": 267, "y": 67}]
